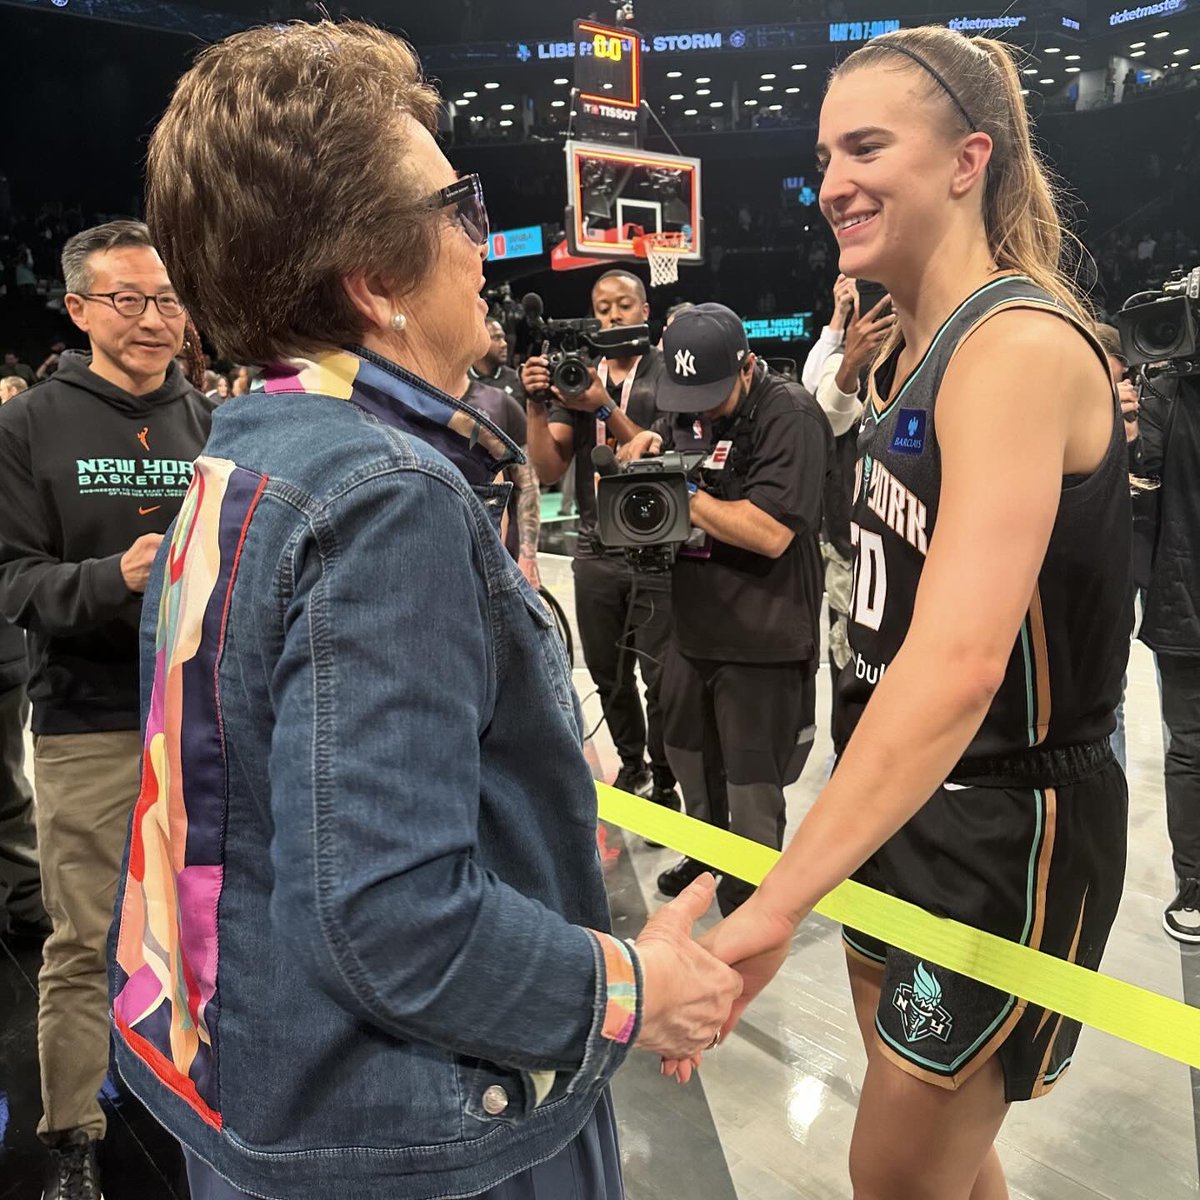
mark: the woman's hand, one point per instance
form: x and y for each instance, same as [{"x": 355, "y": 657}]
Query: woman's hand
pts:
[
  {"x": 755, "y": 941},
  {"x": 688, "y": 992}
]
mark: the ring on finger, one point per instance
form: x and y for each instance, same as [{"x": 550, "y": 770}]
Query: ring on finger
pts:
[{"x": 716, "y": 1041}]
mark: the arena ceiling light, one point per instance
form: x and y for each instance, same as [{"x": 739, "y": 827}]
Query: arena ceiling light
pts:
[
  {"x": 689, "y": 112},
  {"x": 791, "y": 91},
  {"x": 470, "y": 95},
  {"x": 1165, "y": 33},
  {"x": 491, "y": 87},
  {"x": 1045, "y": 81},
  {"x": 766, "y": 87},
  {"x": 507, "y": 107},
  {"x": 1030, "y": 71},
  {"x": 750, "y": 103},
  {"x": 716, "y": 104},
  {"x": 1072, "y": 58},
  {"x": 1073, "y": 70},
  {"x": 674, "y": 74},
  {"x": 703, "y": 79},
  {"x": 776, "y": 108},
  {"x": 558, "y": 104},
  {"x": 1181, "y": 50},
  {"x": 1136, "y": 45},
  {"x": 505, "y": 123},
  {"x": 799, "y": 66},
  {"x": 1196, "y": 66},
  {"x": 1136, "y": 53},
  {"x": 561, "y": 82},
  {"x": 1053, "y": 50},
  {"x": 676, "y": 96},
  {"x": 768, "y": 76},
  {"x": 463, "y": 101},
  {"x": 704, "y": 91}
]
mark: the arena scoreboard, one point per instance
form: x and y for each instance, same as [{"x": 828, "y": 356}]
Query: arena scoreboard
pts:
[{"x": 608, "y": 68}]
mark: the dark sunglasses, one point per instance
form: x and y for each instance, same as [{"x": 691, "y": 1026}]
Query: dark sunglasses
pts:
[{"x": 465, "y": 196}]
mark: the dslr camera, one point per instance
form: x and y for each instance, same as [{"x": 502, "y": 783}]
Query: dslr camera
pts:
[
  {"x": 1163, "y": 327},
  {"x": 642, "y": 506},
  {"x": 571, "y": 348}
]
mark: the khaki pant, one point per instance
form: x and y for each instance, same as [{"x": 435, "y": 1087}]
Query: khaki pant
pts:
[{"x": 86, "y": 785}]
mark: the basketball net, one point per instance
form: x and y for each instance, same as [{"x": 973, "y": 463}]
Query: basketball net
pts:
[{"x": 662, "y": 252}]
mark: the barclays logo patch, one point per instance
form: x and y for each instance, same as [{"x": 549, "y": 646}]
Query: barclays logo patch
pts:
[{"x": 909, "y": 437}]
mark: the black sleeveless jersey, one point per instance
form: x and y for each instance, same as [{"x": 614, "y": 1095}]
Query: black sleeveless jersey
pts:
[{"x": 1063, "y": 680}]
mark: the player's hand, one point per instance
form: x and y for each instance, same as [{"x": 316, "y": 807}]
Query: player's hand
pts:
[
  {"x": 845, "y": 302},
  {"x": 137, "y": 560}
]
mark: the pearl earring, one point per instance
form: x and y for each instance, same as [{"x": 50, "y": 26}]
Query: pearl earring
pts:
[{"x": 399, "y": 320}]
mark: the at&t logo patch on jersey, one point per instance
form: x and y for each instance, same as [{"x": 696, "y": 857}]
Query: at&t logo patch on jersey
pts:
[{"x": 910, "y": 431}]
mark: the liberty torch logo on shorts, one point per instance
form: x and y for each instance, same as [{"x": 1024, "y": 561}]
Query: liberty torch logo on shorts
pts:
[{"x": 920, "y": 1004}]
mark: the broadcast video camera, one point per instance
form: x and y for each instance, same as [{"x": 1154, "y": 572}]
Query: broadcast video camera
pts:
[
  {"x": 642, "y": 506},
  {"x": 572, "y": 347},
  {"x": 1163, "y": 327}
]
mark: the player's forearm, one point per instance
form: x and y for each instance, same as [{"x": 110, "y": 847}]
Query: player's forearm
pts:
[{"x": 921, "y": 718}]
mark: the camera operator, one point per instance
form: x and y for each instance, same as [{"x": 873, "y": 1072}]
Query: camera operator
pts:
[
  {"x": 738, "y": 689},
  {"x": 622, "y": 616},
  {"x": 1164, "y": 463}
]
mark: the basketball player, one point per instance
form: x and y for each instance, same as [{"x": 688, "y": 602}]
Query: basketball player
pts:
[{"x": 989, "y": 624}]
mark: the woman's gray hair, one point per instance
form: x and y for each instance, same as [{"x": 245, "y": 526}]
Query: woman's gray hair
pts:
[{"x": 113, "y": 235}]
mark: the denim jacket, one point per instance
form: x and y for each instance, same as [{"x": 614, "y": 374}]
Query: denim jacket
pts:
[{"x": 361, "y": 944}]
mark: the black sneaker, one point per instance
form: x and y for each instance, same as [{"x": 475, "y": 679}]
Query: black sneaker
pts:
[
  {"x": 72, "y": 1173},
  {"x": 668, "y": 798},
  {"x": 636, "y": 780},
  {"x": 1182, "y": 918},
  {"x": 685, "y": 872}
]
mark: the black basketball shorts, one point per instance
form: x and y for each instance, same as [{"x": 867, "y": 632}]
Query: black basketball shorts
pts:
[{"x": 1039, "y": 866}]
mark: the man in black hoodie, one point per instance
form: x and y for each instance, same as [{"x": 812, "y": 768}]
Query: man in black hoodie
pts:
[{"x": 94, "y": 462}]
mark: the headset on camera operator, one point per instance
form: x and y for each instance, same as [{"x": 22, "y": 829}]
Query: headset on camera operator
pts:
[
  {"x": 1160, "y": 333},
  {"x": 738, "y": 688},
  {"x": 623, "y": 616}
]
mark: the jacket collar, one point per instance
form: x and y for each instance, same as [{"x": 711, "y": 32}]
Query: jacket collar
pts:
[{"x": 400, "y": 399}]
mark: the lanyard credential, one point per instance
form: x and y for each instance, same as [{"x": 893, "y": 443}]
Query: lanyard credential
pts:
[{"x": 626, "y": 392}]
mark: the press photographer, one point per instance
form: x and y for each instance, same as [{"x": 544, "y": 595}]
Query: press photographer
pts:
[
  {"x": 738, "y": 687},
  {"x": 1160, "y": 333},
  {"x": 578, "y": 401}
]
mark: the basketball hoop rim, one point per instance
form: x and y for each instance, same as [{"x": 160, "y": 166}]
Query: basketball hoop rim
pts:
[{"x": 662, "y": 243}]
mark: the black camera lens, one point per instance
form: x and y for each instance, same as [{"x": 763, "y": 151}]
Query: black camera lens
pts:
[
  {"x": 1159, "y": 338},
  {"x": 571, "y": 377},
  {"x": 644, "y": 511}
]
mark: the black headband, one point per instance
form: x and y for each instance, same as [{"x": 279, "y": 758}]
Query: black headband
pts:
[{"x": 921, "y": 62}]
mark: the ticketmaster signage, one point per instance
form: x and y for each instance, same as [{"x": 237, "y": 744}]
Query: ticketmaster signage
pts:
[
  {"x": 1165, "y": 8},
  {"x": 980, "y": 24}
]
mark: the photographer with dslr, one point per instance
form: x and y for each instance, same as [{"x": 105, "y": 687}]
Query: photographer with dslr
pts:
[
  {"x": 1159, "y": 333},
  {"x": 623, "y": 615},
  {"x": 739, "y": 681}
]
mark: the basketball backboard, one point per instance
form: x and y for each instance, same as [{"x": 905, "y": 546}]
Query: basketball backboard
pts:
[{"x": 615, "y": 194}]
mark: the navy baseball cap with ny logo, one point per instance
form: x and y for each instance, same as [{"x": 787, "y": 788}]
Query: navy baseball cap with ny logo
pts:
[{"x": 704, "y": 348}]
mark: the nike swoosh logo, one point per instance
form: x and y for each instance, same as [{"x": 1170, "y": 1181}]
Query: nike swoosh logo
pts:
[
  {"x": 145, "y": 512},
  {"x": 957, "y": 787}
]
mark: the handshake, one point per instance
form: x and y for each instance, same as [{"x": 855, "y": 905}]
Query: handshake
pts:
[{"x": 694, "y": 992}]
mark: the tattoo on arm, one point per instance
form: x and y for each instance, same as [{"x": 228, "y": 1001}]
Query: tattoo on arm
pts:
[{"x": 529, "y": 508}]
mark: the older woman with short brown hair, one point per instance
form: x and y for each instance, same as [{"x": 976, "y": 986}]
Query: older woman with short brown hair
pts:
[{"x": 363, "y": 944}]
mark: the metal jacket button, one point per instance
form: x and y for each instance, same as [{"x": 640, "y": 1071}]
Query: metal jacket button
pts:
[{"x": 495, "y": 1100}]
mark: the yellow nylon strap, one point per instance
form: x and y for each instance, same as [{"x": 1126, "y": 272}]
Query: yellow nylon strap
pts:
[{"x": 1130, "y": 1013}]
